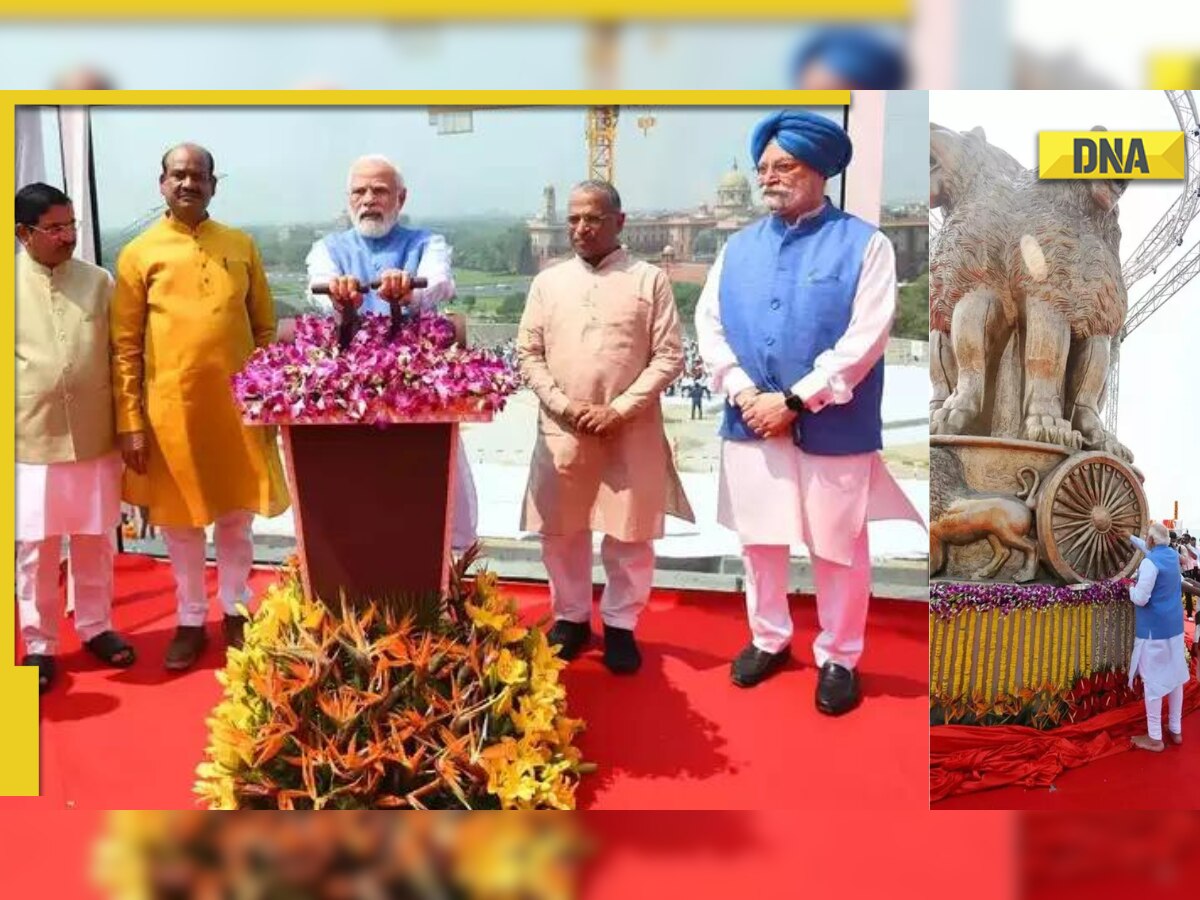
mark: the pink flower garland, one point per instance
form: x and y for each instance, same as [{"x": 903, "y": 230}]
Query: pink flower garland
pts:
[
  {"x": 946, "y": 598},
  {"x": 375, "y": 380}
]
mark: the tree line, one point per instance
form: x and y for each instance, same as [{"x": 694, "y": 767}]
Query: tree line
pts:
[{"x": 502, "y": 246}]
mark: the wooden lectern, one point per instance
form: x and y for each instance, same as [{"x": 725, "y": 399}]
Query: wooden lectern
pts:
[{"x": 373, "y": 504}]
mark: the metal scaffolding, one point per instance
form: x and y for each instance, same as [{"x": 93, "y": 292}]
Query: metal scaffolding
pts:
[{"x": 1167, "y": 236}]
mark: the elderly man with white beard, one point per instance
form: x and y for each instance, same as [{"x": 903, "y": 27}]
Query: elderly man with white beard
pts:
[
  {"x": 1159, "y": 652},
  {"x": 792, "y": 325},
  {"x": 377, "y": 248}
]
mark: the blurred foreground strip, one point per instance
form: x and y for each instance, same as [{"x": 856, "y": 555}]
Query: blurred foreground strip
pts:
[{"x": 340, "y": 856}]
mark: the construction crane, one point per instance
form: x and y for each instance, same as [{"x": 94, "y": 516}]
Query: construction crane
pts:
[
  {"x": 601, "y": 126},
  {"x": 600, "y": 132},
  {"x": 602, "y": 142}
]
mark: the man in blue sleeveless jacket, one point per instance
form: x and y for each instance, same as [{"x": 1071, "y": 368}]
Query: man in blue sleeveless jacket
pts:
[
  {"x": 378, "y": 248},
  {"x": 1159, "y": 652},
  {"x": 792, "y": 325}
]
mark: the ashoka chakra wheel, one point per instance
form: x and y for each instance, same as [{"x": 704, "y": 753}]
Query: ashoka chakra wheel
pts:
[{"x": 1082, "y": 506}]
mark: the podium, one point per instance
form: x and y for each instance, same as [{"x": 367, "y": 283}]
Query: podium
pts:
[{"x": 373, "y": 504}]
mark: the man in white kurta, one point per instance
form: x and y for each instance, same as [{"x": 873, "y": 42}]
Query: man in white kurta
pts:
[
  {"x": 68, "y": 472},
  {"x": 815, "y": 291},
  {"x": 1159, "y": 653},
  {"x": 599, "y": 342},
  {"x": 378, "y": 248}
]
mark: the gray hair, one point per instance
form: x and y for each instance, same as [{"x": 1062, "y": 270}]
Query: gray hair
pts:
[
  {"x": 604, "y": 188},
  {"x": 1158, "y": 534},
  {"x": 377, "y": 159}
]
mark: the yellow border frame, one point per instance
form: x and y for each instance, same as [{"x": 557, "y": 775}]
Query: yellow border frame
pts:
[
  {"x": 18, "y": 685},
  {"x": 476, "y": 10}
]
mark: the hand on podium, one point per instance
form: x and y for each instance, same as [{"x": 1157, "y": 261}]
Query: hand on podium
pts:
[
  {"x": 345, "y": 291},
  {"x": 396, "y": 286}
]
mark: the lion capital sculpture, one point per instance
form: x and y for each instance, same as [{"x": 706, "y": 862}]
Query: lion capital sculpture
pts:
[{"x": 1025, "y": 297}]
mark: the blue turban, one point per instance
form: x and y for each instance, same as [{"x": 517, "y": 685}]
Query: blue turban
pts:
[
  {"x": 815, "y": 140},
  {"x": 865, "y": 59}
]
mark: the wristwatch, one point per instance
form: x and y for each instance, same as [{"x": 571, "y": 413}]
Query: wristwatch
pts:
[{"x": 794, "y": 403}]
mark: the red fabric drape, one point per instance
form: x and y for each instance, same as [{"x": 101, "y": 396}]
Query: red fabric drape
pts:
[{"x": 966, "y": 758}]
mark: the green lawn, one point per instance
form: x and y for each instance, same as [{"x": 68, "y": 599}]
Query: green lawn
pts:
[
  {"x": 291, "y": 295},
  {"x": 475, "y": 278}
]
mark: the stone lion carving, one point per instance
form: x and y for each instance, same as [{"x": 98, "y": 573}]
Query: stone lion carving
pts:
[
  {"x": 1025, "y": 297},
  {"x": 959, "y": 515}
]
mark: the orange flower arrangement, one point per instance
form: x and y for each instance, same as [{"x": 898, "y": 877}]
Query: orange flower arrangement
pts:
[{"x": 416, "y": 702}]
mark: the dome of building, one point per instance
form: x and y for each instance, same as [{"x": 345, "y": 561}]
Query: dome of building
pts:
[
  {"x": 734, "y": 178},
  {"x": 733, "y": 192}
]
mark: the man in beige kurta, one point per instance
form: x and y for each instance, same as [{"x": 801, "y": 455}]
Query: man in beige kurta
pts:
[
  {"x": 68, "y": 471},
  {"x": 599, "y": 342}
]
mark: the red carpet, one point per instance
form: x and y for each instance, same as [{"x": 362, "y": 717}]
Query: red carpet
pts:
[
  {"x": 1087, "y": 766},
  {"x": 1123, "y": 779},
  {"x": 968, "y": 760},
  {"x": 678, "y": 735}
]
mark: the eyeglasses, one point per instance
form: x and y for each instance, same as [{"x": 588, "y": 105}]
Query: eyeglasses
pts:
[
  {"x": 56, "y": 230},
  {"x": 587, "y": 220},
  {"x": 783, "y": 167}
]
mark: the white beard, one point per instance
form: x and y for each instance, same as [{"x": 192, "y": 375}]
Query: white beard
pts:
[{"x": 376, "y": 228}]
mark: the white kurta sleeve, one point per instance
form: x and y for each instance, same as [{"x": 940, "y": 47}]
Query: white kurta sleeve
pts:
[
  {"x": 725, "y": 375},
  {"x": 321, "y": 270},
  {"x": 435, "y": 268},
  {"x": 1147, "y": 575},
  {"x": 837, "y": 371}
]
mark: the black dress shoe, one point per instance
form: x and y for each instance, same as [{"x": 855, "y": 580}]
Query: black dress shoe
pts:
[
  {"x": 837, "y": 689},
  {"x": 753, "y": 665},
  {"x": 47, "y": 670},
  {"x": 234, "y": 629},
  {"x": 572, "y": 637},
  {"x": 621, "y": 653}
]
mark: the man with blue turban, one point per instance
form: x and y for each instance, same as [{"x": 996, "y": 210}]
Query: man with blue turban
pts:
[
  {"x": 792, "y": 325},
  {"x": 849, "y": 58}
]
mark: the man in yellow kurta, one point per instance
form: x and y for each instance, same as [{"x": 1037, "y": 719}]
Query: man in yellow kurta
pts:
[
  {"x": 598, "y": 343},
  {"x": 191, "y": 305}
]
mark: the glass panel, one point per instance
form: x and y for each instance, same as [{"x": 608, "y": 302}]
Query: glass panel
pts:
[{"x": 498, "y": 193}]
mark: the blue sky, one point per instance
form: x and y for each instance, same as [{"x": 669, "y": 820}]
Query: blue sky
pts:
[{"x": 288, "y": 166}]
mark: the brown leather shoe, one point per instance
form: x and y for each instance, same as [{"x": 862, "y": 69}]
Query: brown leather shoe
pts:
[
  {"x": 185, "y": 647},
  {"x": 234, "y": 628}
]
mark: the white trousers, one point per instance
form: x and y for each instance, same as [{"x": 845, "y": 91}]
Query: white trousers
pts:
[
  {"x": 1174, "y": 714},
  {"x": 38, "y": 598},
  {"x": 464, "y": 518},
  {"x": 628, "y": 569},
  {"x": 235, "y": 556},
  {"x": 112, "y": 543},
  {"x": 843, "y": 595}
]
